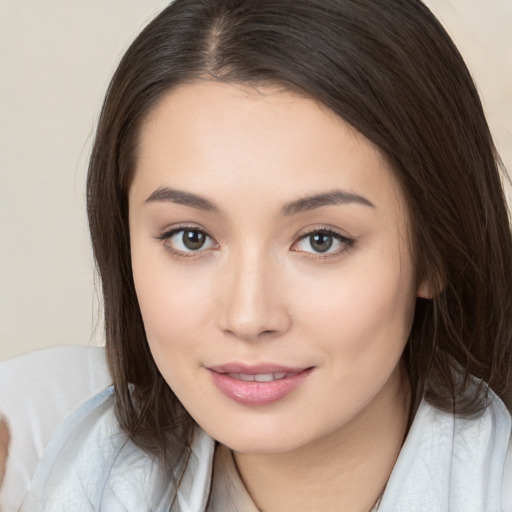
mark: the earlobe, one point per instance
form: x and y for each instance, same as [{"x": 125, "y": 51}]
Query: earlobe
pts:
[
  {"x": 424, "y": 290},
  {"x": 428, "y": 290}
]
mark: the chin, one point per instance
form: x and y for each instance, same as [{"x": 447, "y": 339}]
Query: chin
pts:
[
  {"x": 263, "y": 439},
  {"x": 261, "y": 446}
]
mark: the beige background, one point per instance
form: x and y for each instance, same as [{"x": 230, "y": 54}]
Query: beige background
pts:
[{"x": 56, "y": 58}]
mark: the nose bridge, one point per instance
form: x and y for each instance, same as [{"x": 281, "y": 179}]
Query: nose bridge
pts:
[{"x": 253, "y": 306}]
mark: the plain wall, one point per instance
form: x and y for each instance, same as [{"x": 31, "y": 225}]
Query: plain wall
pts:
[{"x": 56, "y": 58}]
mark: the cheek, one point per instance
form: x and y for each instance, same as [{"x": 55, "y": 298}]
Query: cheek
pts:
[
  {"x": 173, "y": 299},
  {"x": 363, "y": 311},
  {"x": 360, "y": 324},
  {"x": 174, "y": 307}
]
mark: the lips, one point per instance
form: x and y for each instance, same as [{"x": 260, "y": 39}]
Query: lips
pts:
[{"x": 257, "y": 384}]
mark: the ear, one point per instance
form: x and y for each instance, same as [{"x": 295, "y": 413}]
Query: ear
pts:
[
  {"x": 428, "y": 290},
  {"x": 424, "y": 290}
]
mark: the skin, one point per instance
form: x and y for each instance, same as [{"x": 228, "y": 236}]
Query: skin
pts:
[
  {"x": 4, "y": 447},
  {"x": 257, "y": 291}
]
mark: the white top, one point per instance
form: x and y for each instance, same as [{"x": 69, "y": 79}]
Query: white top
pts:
[
  {"x": 228, "y": 491},
  {"x": 37, "y": 391},
  {"x": 446, "y": 464}
]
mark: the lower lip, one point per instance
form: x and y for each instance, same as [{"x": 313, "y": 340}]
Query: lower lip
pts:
[{"x": 258, "y": 393}]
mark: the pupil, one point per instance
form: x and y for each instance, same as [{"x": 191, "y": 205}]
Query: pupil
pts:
[
  {"x": 193, "y": 240},
  {"x": 321, "y": 242}
]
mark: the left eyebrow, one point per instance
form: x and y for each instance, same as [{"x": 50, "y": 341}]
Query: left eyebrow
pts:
[{"x": 324, "y": 199}]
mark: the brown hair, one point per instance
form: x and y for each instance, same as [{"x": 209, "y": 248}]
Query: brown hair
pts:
[{"x": 390, "y": 70}]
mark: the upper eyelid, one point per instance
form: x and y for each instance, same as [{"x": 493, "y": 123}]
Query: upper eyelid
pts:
[
  {"x": 168, "y": 232},
  {"x": 344, "y": 239},
  {"x": 165, "y": 236},
  {"x": 329, "y": 230}
]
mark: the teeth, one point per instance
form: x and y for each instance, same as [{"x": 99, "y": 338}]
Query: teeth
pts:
[
  {"x": 259, "y": 377},
  {"x": 264, "y": 377}
]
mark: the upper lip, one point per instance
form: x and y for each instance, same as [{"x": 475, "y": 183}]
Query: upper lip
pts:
[{"x": 255, "y": 369}]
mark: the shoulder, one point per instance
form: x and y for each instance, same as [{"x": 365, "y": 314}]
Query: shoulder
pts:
[
  {"x": 52, "y": 381},
  {"x": 90, "y": 464},
  {"x": 37, "y": 391},
  {"x": 502, "y": 433},
  {"x": 506, "y": 499},
  {"x": 448, "y": 459}
]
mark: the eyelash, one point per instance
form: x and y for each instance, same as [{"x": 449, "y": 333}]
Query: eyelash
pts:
[
  {"x": 167, "y": 235},
  {"x": 347, "y": 243}
]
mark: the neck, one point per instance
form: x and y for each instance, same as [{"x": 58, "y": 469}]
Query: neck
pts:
[{"x": 346, "y": 470}]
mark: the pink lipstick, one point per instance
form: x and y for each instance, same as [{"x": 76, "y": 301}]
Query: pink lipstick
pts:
[{"x": 257, "y": 384}]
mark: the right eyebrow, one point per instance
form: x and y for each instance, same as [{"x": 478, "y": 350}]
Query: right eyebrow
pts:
[{"x": 172, "y": 195}]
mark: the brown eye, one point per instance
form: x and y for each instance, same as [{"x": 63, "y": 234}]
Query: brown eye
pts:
[
  {"x": 193, "y": 240},
  {"x": 183, "y": 241},
  {"x": 321, "y": 242}
]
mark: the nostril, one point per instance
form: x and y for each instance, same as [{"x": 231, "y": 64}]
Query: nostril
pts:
[
  {"x": 250, "y": 335},
  {"x": 249, "y": 314}
]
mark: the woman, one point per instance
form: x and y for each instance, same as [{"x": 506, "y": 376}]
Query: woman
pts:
[{"x": 305, "y": 253}]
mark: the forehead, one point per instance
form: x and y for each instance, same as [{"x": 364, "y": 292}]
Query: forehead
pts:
[{"x": 216, "y": 137}]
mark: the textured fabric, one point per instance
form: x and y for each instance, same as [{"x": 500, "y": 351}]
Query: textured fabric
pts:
[
  {"x": 451, "y": 464},
  {"x": 37, "y": 391},
  {"x": 446, "y": 464},
  {"x": 91, "y": 465}
]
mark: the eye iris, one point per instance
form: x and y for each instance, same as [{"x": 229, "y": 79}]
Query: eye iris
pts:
[
  {"x": 193, "y": 240},
  {"x": 321, "y": 242}
]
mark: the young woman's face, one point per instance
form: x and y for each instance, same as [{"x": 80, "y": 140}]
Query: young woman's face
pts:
[{"x": 270, "y": 257}]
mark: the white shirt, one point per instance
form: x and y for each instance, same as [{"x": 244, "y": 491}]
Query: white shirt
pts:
[{"x": 446, "y": 464}]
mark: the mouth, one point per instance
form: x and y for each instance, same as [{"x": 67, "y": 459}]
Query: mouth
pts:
[
  {"x": 257, "y": 385},
  {"x": 259, "y": 377}
]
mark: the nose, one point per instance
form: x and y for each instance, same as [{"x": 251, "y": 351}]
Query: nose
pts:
[{"x": 253, "y": 305}]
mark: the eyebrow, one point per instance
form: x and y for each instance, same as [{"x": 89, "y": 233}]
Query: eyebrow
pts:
[
  {"x": 332, "y": 197},
  {"x": 172, "y": 195}
]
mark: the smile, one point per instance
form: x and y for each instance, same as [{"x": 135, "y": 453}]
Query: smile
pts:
[
  {"x": 259, "y": 377},
  {"x": 254, "y": 386}
]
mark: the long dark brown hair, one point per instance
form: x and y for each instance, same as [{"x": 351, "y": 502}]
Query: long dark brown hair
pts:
[{"x": 389, "y": 69}]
